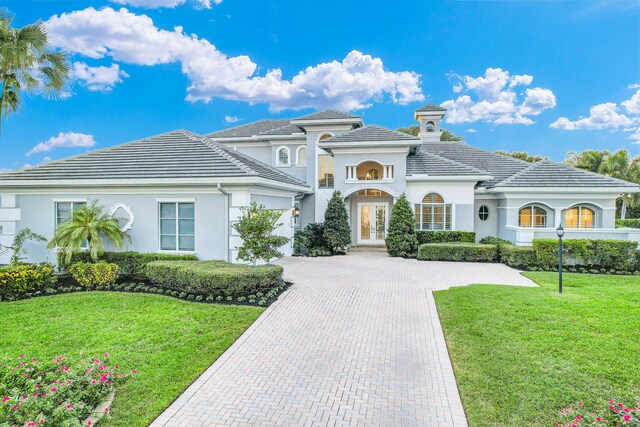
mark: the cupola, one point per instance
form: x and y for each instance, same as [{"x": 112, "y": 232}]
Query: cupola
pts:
[{"x": 430, "y": 116}]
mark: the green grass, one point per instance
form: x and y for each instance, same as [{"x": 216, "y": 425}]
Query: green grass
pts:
[
  {"x": 170, "y": 342},
  {"x": 522, "y": 354}
]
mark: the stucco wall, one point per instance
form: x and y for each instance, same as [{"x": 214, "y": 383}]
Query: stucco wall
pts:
[
  {"x": 38, "y": 213},
  {"x": 459, "y": 194},
  {"x": 490, "y": 226}
]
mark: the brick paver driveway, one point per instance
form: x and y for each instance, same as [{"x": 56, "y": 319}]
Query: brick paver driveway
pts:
[{"x": 356, "y": 341}]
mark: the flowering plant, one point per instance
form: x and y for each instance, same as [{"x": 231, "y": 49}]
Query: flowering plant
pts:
[
  {"x": 610, "y": 413},
  {"x": 54, "y": 392}
]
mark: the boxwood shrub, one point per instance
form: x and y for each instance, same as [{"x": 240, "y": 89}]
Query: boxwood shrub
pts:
[
  {"x": 520, "y": 257},
  {"x": 214, "y": 277},
  {"x": 628, "y": 223},
  {"x": 605, "y": 254},
  {"x": 99, "y": 275},
  {"x": 129, "y": 263},
  {"x": 445, "y": 236},
  {"x": 473, "y": 252}
]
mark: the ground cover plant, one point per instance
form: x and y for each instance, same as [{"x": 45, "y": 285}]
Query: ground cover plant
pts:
[
  {"x": 521, "y": 355},
  {"x": 169, "y": 342},
  {"x": 56, "y": 392}
]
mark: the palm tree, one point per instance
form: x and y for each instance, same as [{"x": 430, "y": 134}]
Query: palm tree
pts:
[
  {"x": 26, "y": 63},
  {"x": 88, "y": 224},
  {"x": 590, "y": 160},
  {"x": 620, "y": 165}
]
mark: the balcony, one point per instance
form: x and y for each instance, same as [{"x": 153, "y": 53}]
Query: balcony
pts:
[
  {"x": 523, "y": 236},
  {"x": 369, "y": 171}
]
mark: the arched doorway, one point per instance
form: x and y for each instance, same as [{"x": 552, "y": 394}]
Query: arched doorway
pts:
[{"x": 369, "y": 210}]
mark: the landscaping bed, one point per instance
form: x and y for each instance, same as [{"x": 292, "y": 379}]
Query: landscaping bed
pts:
[
  {"x": 169, "y": 342},
  {"x": 521, "y": 355}
]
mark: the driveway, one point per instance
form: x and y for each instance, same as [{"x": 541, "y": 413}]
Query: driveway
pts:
[{"x": 356, "y": 341}]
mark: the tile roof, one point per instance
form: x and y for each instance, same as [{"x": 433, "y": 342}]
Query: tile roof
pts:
[
  {"x": 328, "y": 115},
  {"x": 431, "y": 107},
  {"x": 432, "y": 164},
  {"x": 250, "y": 129},
  {"x": 176, "y": 154},
  {"x": 287, "y": 129},
  {"x": 546, "y": 173},
  {"x": 498, "y": 166},
  {"x": 371, "y": 133}
]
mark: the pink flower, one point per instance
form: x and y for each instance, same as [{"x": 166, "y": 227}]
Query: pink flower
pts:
[
  {"x": 53, "y": 389},
  {"x": 580, "y": 404},
  {"x": 598, "y": 419},
  {"x": 88, "y": 422},
  {"x": 106, "y": 354},
  {"x": 626, "y": 418},
  {"x": 93, "y": 381},
  {"x": 106, "y": 410},
  {"x": 21, "y": 356},
  {"x": 5, "y": 399},
  {"x": 31, "y": 424},
  {"x": 134, "y": 371},
  {"x": 69, "y": 406}
]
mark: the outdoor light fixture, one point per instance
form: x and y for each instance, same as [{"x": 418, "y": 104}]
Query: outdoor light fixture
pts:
[
  {"x": 296, "y": 211},
  {"x": 560, "y": 232}
]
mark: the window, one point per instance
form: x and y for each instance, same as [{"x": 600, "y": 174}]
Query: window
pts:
[
  {"x": 282, "y": 156},
  {"x": 431, "y": 127},
  {"x": 325, "y": 171},
  {"x": 579, "y": 217},
  {"x": 177, "y": 227},
  {"x": 302, "y": 156},
  {"x": 433, "y": 213},
  {"x": 64, "y": 213},
  {"x": 324, "y": 136},
  {"x": 372, "y": 192},
  {"x": 532, "y": 217},
  {"x": 483, "y": 213}
]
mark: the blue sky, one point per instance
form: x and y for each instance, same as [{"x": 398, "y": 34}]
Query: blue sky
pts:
[{"x": 546, "y": 77}]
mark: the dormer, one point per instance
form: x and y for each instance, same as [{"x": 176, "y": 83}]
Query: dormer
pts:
[{"x": 430, "y": 116}]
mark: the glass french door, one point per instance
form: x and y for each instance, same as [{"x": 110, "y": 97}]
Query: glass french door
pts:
[{"x": 372, "y": 223}]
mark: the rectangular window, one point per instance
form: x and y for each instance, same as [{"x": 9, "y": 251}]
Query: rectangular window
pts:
[
  {"x": 64, "y": 213},
  {"x": 433, "y": 216},
  {"x": 325, "y": 171},
  {"x": 177, "y": 227}
]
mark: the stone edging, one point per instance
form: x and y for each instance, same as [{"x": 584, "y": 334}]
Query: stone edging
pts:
[{"x": 100, "y": 410}]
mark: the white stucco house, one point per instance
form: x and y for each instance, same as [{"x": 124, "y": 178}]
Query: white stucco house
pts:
[{"x": 181, "y": 193}]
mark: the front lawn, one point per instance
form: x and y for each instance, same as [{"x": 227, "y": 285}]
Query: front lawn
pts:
[
  {"x": 522, "y": 354},
  {"x": 168, "y": 341}
]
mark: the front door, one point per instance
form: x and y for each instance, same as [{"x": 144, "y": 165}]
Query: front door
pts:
[{"x": 372, "y": 223}]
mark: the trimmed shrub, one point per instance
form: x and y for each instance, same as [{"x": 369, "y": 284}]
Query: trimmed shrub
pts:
[
  {"x": 21, "y": 280},
  {"x": 494, "y": 241},
  {"x": 607, "y": 254},
  {"x": 99, "y": 275},
  {"x": 618, "y": 254},
  {"x": 401, "y": 237},
  {"x": 520, "y": 257},
  {"x": 130, "y": 263},
  {"x": 472, "y": 252},
  {"x": 214, "y": 277},
  {"x": 311, "y": 241},
  {"x": 337, "y": 231},
  {"x": 628, "y": 223},
  {"x": 445, "y": 236}
]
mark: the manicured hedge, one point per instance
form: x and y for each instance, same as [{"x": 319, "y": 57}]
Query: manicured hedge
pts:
[
  {"x": 99, "y": 275},
  {"x": 606, "y": 254},
  {"x": 446, "y": 236},
  {"x": 628, "y": 223},
  {"x": 475, "y": 252},
  {"x": 130, "y": 263},
  {"x": 23, "y": 280},
  {"x": 214, "y": 278},
  {"x": 520, "y": 257}
]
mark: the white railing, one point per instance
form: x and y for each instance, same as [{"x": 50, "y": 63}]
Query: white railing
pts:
[{"x": 523, "y": 236}]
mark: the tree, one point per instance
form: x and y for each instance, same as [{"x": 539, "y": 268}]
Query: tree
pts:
[
  {"x": 18, "y": 243},
  {"x": 88, "y": 224},
  {"x": 446, "y": 136},
  {"x": 522, "y": 155},
  {"x": 27, "y": 63},
  {"x": 590, "y": 160},
  {"x": 256, "y": 227},
  {"x": 401, "y": 238},
  {"x": 337, "y": 231}
]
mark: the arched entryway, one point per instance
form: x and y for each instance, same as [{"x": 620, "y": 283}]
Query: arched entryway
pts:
[{"x": 369, "y": 210}]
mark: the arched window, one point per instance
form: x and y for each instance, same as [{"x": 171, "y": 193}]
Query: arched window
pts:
[
  {"x": 579, "y": 217},
  {"x": 324, "y": 136},
  {"x": 282, "y": 156},
  {"x": 301, "y": 155},
  {"x": 433, "y": 213},
  {"x": 369, "y": 171},
  {"x": 431, "y": 127},
  {"x": 532, "y": 216}
]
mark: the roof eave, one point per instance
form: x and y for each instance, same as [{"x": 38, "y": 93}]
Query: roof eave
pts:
[
  {"x": 427, "y": 177},
  {"x": 565, "y": 190},
  {"x": 310, "y": 122}
]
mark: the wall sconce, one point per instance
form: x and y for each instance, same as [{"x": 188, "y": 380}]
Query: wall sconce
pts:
[{"x": 296, "y": 211}]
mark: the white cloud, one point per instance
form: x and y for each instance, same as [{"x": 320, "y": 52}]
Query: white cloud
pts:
[
  {"x": 64, "y": 139},
  {"x": 493, "y": 98},
  {"x": 608, "y": 115},
  {"x": 156, "y": 4},
  {"x": 634, "y": 86},
  {"x": 98, "y": 78},
  {"x": 471, "y": 130},
  {"x": 353, "y": 83},
  {"x": 230, "y": 119},
  {"x": 46, "y": 159}
]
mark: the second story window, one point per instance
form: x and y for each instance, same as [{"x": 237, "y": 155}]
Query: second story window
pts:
[
  {"x": 302, "y": 156},
  {"x": 282, "y": 156},
  {"x": 325, "y": 171}
]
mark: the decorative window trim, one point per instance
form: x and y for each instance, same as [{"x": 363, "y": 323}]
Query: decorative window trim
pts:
[
  {"x": 127, "y": 210},
  {"x": 323, "y": 135},
  {"x": 278, "y": 150},
  {"x": 532, "y": 215},
  {"x": 298, "y": 162},
  {"x": 483, "y": 210}
]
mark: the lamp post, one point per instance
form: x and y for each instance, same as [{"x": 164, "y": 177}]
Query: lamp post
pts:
[{"x": 560, "y": 232}]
